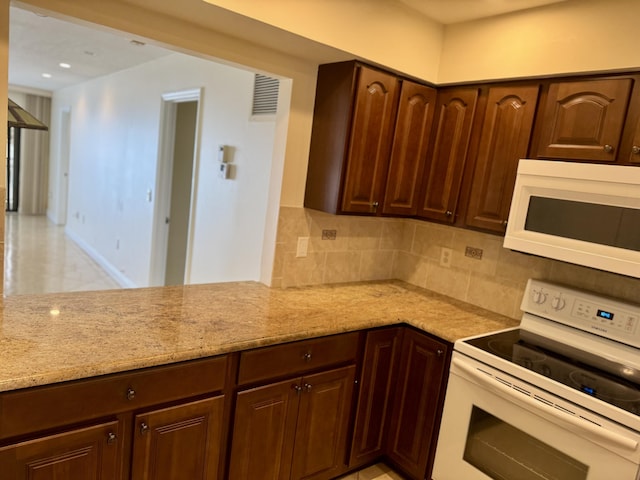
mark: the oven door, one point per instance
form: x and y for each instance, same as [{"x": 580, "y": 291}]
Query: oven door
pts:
[{"x": 497, "y": 427}]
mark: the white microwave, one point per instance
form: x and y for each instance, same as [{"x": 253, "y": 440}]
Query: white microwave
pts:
[{"x": 581, "y": 213}]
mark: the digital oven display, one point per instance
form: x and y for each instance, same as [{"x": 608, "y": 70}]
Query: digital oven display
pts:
[{"x": 604, "y": 314}]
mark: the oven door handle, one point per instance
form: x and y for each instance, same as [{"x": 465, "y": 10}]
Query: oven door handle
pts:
[{"x": 583, "y": 426}]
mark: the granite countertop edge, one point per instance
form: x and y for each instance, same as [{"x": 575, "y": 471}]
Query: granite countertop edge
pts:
[{"x": 52, "y": 338}]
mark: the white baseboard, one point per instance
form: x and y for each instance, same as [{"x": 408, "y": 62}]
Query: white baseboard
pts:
[{"x": 117, "y": 275}]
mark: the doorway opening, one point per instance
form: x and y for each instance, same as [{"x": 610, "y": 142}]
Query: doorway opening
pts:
[{"x": 175, "y": 188}]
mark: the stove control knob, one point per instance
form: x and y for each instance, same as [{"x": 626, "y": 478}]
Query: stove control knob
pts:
[
  {"x": 558, "y": 303},
  {"x": 539, "y": 297}
]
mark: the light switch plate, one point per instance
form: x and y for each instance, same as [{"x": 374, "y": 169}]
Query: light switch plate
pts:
[{"x": 303, "y": 246}]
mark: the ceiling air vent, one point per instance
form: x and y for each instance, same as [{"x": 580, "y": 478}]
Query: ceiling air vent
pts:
[{"x": 265, "y": 95}]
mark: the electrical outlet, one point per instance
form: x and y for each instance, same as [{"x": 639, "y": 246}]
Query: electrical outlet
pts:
[
  {"x": 329, "y": 234},
  {"x": 445, "y": 257},
  {"x": 475, "y": 253},
  {"x": 303, "y": 246}
]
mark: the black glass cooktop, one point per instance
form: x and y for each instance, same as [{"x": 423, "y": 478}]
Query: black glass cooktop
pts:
[{"x": 553, "y": 361}]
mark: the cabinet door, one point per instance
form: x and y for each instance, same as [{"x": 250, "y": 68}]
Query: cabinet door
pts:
[
  {"x": 634, "y": 156},
  {"x": 417, "y": 403},
  {"x": 178, "y": 442},
  {"x": 409, "y": 150},
  {"x": 447, "y": 155},
  {"x": 376, "y": 392},
  {"x": 370, "y": 141},
  {"x": 584, "y": 120},
  {"x": 92, "y": 453},
  {"x": 504, "y": 140},
  {"x": 323, "y": 419},
  {"x": 264, "y": 431}
]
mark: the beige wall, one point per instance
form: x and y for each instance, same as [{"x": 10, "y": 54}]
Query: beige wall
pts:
[
  {"x": 380, "y": 31},
  {"x": 573, "y": 36}
]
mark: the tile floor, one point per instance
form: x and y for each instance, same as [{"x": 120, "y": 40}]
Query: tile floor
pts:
[
  {"x": 40, "y": 258},
  {"x": 375, "y": 472}
]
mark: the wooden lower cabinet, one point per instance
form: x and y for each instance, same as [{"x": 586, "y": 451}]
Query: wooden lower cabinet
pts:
[
  {"x": 417, "y": 406},
  {"x": 377, "y": 380},
  {"x": 293, "y": 429},
  {"x": 180, "y": 442},
  {"x": 91, "y": 453},
  {"x": 158, "y": 423},
  {"x": 309, "y": 426},
  {"x": 323, "y": 419},
  {"x": 264, "y": 431}
]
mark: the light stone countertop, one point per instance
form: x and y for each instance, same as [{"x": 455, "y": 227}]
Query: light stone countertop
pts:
[{"x": 57, "y": 337}]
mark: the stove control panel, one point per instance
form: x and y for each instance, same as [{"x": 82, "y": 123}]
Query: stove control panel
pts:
[{"x": 605, "y": 316}]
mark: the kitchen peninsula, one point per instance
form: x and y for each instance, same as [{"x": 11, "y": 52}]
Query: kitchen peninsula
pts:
[
  {"x": 79, "y": 345},
  {"x": 59, "y": 337}
]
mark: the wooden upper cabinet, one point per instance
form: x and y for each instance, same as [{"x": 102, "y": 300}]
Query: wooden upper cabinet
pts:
[
  {"x": 504, "y": 140},
  {"x": 584, "y": 120},
  {"x": 634, "y": 155},
  {"x": 353, "y": 120},
  {"x": 409, "y": 148},
  {"x": 370, "y": 142},
  {"x": 447, "y": 155}
]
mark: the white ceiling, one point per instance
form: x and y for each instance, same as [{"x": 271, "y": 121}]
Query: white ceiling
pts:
[{"x": 38, "y": 44}]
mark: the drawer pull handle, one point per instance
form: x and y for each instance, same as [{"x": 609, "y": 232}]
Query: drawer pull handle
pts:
[
  {"x": 440, "y": 352},
  {"x": 635, "y": 150},
  {"x": 297, "y": 388},
  {"x": 608, "y": 148},
  {"x": 307, "y": 357},
  {"x": 307, "y": 387},
  {"x": 131, "y": 394},
  {"x": 144, "y": 428},
  {"x": 111, "y": 438}
]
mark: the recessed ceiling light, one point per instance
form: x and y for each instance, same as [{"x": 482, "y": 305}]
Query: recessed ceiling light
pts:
[
  {"x": 64, "y": 65},
  {"x": 46, "y": 75}
]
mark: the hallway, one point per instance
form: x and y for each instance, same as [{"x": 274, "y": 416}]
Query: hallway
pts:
[{"x": 40, "y": 258}]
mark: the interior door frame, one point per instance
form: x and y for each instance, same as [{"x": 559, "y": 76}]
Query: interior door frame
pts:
[
  {"x": 164, "y": 172},
  {"x": 64, "y": 162}
]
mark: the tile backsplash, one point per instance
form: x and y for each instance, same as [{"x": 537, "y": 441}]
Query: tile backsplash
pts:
[{"x": 371, "y": 248}]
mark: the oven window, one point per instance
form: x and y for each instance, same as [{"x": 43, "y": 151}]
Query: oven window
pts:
[
  {"x": 504, "y": 452},
  {"x": 590, "y": 222}
]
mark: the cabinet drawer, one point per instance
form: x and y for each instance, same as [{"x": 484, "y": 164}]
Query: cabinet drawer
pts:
[
  {"x": 297, "y": 357},
  {"x": 40, "y": 408}
]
